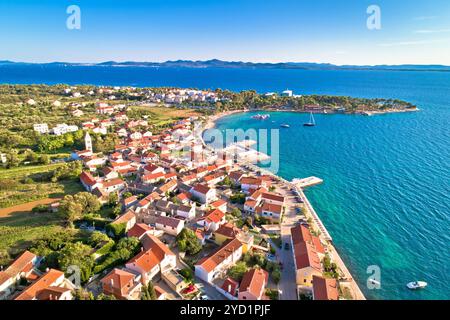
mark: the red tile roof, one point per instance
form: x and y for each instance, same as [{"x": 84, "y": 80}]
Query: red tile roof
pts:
[
  {"x": 42, "y": 283},
  {"x": 146, "y": 260},
  {"x": 254, "y": 282},
  {"x": 168, "y": 221},
  {"x": 87, "y": 178},
  {"x": 201, "y": 188},
  {"x": 325, "y": 289},
  {"x": 230, "y": 286},
  {"x": 138, "y": 230},
  {"x": 214, "y": 216},
  {"x": 127, "y": 216},
  {"x": 118, "y": 282},
  {"x": 150, "y": 242},
  {"x": 211, "y": 262},
  {"x": 306, "y": 256}
]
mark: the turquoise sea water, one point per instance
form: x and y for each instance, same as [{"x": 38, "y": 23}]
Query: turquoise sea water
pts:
[{"x": 386, "y": 195}]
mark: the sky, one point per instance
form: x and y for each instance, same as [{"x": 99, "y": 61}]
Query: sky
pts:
[{"x": 325, "y": 31}]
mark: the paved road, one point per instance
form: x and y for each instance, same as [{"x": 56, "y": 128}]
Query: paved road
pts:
[{"x": 287, "y": 285}]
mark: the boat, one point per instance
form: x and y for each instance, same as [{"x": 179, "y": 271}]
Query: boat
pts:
[
  {"x": 285, "y": 125},
  {"x": 311, "y": 122},
  {"x": 416, "y": 285},
  {"x": 261, "y": 116}
]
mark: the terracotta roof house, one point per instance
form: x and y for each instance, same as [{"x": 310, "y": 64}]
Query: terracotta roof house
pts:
[
  {"x": 121, "y": 284},
  {"x": 230, "y": 286},
  {"x": 21, "y": 267},
  {"x": 156, "y": 257},
  {"x": 88, "y": 181},
  {"x": 51, "y": 286},
  {"x": 138, "y": 230},
  {"x": 307, "y": 263},
  {"x": 219, "y": 204},
  {"x": 203, "y": 193},
  {"x": 270, "y": 211},
  {"x": 170, "y": 186},
  {"x": 212, "y": 220},
  {"x": 128, "y": 218},
  {"x": 113, "y": 185},
  {"x": 325, "y": 289},
  {"x": 253, "y": 285},
  {"x": 301, "y": 233},
  {"x": 169, "y": 225},
  {"x": 217, "y": 264}
]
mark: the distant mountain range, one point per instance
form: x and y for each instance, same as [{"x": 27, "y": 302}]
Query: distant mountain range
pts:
[{"x": 238, "y": 64}]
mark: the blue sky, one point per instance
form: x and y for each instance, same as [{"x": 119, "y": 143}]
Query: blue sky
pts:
[{"x": 334, "y": 31}]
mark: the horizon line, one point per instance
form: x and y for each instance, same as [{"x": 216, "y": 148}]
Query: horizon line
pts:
[{"x": 227, "y": 61}]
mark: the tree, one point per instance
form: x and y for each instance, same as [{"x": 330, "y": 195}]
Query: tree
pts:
[
  {"x": 116, "y": 229},
  {"x": 113, "y": 199},
  {"x": 236, "y": 213},
  {"x": 97, "y": 238},
  {"x": 276, "y": 275},
  {"x": 77, "y": 254},
  {"x": 89, "y": 202},
  {"x": 238, "y": 270},
  {"x": 69, "y": 209},
  {"x": 148, "y": 292},
  {"x": 188, "y": 242}
]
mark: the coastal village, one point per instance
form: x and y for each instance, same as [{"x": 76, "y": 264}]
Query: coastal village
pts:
[{"x": 209, "y": 224}]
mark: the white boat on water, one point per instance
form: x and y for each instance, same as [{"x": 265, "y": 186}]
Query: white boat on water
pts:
[
  {"x": 416, "y": 285},
  {"x": 261, "y": 116}
]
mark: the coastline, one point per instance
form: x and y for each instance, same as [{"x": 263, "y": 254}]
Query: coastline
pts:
[
  {"x": 347, "y": 279},
  {"x": 211, "y": 120}
]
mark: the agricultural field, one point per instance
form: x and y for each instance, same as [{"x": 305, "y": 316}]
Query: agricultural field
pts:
[{"x": 26, "y": 184}]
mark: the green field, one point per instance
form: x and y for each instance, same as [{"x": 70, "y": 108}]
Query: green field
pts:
[
  {"x": 18, "y": 230},
  {"x": 22, "y": 185}
]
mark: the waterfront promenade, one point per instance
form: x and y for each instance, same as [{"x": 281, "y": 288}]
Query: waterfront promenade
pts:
[{"x": 346, "y": 278}]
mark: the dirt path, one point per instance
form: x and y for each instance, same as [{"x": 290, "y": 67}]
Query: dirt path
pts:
[{"x": 26, "y": 207}]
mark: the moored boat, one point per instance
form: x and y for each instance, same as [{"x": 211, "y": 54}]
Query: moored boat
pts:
[
  {"x": 311, "y": 122},
  {"x": 416, "y": 285}
]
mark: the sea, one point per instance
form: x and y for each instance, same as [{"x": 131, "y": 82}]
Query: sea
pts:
[{"x": 385, "y": 199}]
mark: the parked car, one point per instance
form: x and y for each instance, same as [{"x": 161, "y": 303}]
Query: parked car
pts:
[{"x": 286, "y": 246}]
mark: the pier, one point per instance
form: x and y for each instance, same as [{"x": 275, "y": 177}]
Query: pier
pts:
[{"x": 307, "y": 182}]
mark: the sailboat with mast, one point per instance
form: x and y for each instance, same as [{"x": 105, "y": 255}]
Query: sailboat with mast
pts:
[{"x": 312, "y": 122}]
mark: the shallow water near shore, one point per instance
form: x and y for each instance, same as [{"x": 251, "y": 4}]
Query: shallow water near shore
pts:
[{"x": 386, "y": 195}]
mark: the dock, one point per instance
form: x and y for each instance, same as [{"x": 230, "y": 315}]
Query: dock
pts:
[{"x": 307, "y": 182}]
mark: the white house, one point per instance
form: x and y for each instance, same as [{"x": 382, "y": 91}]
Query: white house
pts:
[
  {"x": 156, "y": 257},
  {"x": 41, "y": 128},
  {"x": 203, "y": 193},
  {"x": 169, "y": 225},
  {"x": 217, "y": 264},
  {"x": 187, "y": 212},
  {"x": 212, "y": 220}
]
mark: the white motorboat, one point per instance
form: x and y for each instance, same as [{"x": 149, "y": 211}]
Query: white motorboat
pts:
[{"x": 416, "y": 285}]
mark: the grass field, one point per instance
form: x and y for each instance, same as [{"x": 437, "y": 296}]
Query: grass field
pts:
[
  {"x": 160, "y": 116},
  {"x": 18, "y": 195},
  {"x": 17, "y": 185},
  {"x": 19, "y": 229}
]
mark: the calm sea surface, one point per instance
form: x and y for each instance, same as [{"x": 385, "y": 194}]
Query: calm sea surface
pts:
[{"x": 386, "y": 195}]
